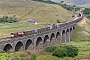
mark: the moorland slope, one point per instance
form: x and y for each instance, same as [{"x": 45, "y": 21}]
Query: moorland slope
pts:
[{"x": 43, "y": 13}]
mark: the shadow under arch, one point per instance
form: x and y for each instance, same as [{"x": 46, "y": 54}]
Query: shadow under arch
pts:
[
  {"x": 71, "y": 33},
  {"x": 57, "y": 35},
  {"x": 58, "y": 38},
  {"x": 52, "y": 36},
  {"x": 19, "y": 46},
  {"x": 46, "y": 41},
  {"x": 39, "y": 43},
  {"x": 52, "y": 39},
  {"x": 73, "y": 28},
  {"x": 8, "y": 47},
  {"x": 29, "y": 45},
  {"x": 67, "y": 35},
  {"x": 63, "y": 36}
]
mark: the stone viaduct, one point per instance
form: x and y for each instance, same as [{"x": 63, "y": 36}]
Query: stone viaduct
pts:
[{"x": 62, "y": 34}]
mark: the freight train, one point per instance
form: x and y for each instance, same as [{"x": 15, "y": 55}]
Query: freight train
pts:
[{"x": 40, "y": 30}]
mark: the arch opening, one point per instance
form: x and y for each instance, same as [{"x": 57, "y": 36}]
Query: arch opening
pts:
[
  {"x": 71, "y": 33},
  {"x": 73, "y": 28},
  {"x": 39, "y": 44},
  {"x": 70, "y": 29},
  {"x": 67, "y": 31},
  {"x": 8, "y": 47},
  {"x": 46, "y": 38},
  {"x": 58, "y": 34},
  {"x": 52, "y": 39},
  {"x": 19, "y": 46},
  {"x": 52, "y": 36},
  {"x": 58, "y": 38},
  {"x": 63, "y": 36},
  {"x": 29, "y": 45},
  {"x": 63, "y": 32},
  {"x": 67, "y": 35},
  {"x": 46, "y": 42}
]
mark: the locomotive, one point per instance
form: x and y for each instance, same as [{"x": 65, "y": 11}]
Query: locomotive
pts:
[
  {"x": 41, "y": 30},
  {"x": 16, "y": 34}
]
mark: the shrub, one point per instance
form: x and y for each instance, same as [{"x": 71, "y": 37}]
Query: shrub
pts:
[
  {"x": 33, "y": 57},
  {"x": 58, "y": 21},
  {"x": 88, "y": 16},
  {"x": 9, "y": 19},
  {"x": 72, "y": 51},
  {"x": 28, "y": 52},
  {"x": 73, "y": 16},
  {"x": 66, "y": 50},
  {"x": 1, "y": 51},
  {"x": 50, "y": 48},
  {"x": 63, "y": 50},
  {"x": 77, "y": 8},
  {"x": 86, "y": 11},
  {"x": 5, "y": 57},
  {"x": 60, "y": 52},
  {"x": 17, "y": 59},
  {"x": 9, "y": 51}
]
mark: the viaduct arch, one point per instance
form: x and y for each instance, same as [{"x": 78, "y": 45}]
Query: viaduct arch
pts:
[{"x": 62, "y": 34}]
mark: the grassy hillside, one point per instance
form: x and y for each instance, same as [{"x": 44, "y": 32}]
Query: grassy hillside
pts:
[
  {"x": 43, "y": 13},
  {"x": 6, "y": 29},
  {"x": 81, "y": 41},
  {"x": 84, "y": 25}
]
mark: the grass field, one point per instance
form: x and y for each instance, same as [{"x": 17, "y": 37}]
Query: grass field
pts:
[
  {"x": 81, "y": 41},
  {"x": 6, "y": 29},
  {"x": 84, "y": 51},
  {"x": 43, "y": 13}
]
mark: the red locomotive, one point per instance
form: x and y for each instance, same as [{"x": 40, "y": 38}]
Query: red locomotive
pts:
[{"x": 16, "y": 34}]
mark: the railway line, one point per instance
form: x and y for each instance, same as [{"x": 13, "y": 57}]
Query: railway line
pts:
[{"x": 40, "y": 38}]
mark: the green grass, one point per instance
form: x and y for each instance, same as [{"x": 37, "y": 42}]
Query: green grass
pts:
[
  {"x": 82, "y": 42},
  {"x": 84, "y": 47},
  {"x": 43, "y": 13},
  {"x": 84, "y": 51},
  {"x": 14, "y": 55},
  {"x": 49, "y": 57},
  {"x": 6, "y": 29},
  {"x": 78, "y": 36}
]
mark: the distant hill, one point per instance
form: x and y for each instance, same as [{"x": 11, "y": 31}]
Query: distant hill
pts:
[
  {"x": 14, "y": 0},
  {"x": 77, "y": 2},
  {"x": 42, "y": 12},
  {"x": 70, "y": 2},
  {"x": 81, "y": 3}
]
